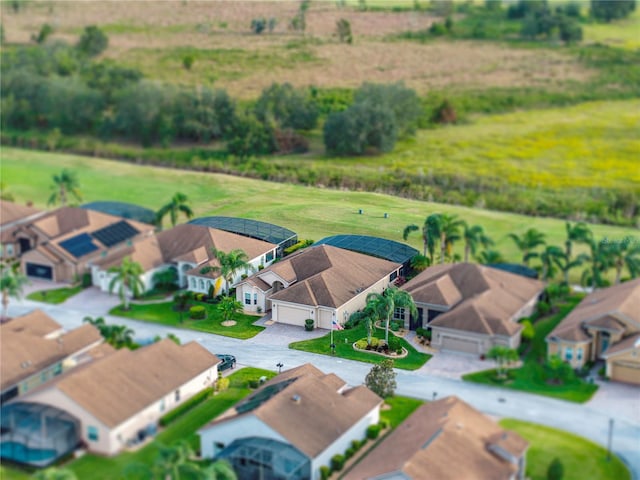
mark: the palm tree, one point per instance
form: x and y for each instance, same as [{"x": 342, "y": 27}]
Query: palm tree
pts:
[
  {"x": 12, "y": 283},
  {"x": 177, "y": 205},
  {"x": 527, "y": 242},
  {"x": 99, "y": 323},
  {"x": 449, "y": 234},
  {"x": 474, "y": 236},
  {"x": 600, "y": 261},
  {"x": 127, "y": 280},
  {"x": 384, "y": 305},
  {"x": 488, "y": 257},
  {"x": 229, "y": 307},
  {"x": 367, "y": 315},
  {"x": 549, "y": 258},
  {"x": 419, "y": 262},
  {"x": 230, "y": 264},
  {"x": 578, "y": 232},
  {"x": 64, "y": 183},
  {"x": 624, "y": 253},
  {"x": 430, "y": 234},
  {"x": 565, "y": 265},
  {"x": 120, "y": 336}
]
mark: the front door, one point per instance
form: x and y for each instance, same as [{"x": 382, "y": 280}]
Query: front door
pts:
[{"x": 416, "y": 322}]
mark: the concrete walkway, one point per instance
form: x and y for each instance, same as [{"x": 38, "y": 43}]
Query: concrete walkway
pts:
[{"x": 438, "y": 378}]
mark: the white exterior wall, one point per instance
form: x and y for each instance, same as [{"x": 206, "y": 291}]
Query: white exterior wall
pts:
[
  {"x": 102, "y": 278},
  {"x": 226, "y": 432},
  {"x": 357, "y": 432},
  {"x": 254, "y": 293}
]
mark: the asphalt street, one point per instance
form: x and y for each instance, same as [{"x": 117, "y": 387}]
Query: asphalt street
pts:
[{"x": 266, "y": 351}]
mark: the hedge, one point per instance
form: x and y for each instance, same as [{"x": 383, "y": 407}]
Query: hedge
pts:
[
  {"x": 197, "y": 312},
  {"x": 194, "y": 401}
]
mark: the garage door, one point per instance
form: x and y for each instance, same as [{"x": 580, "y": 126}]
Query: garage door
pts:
[
  {"x": 460, "y": 345},
  {"x": 629, "y": 373},
  {"x": 40, "y": 271}
]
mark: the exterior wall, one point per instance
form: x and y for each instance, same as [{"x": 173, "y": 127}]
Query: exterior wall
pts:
[
  {"x": 577, "y": 354},
  {"x": 199, "y": 284},
  {"x": 624, "y": 367},
  {"x": 484, "y": 342},
  {"x": 102, "y": 278},
  {"x": 257, "y": 298},
  {"x": 356, "y": 432},
  {"x": 226, "y": 432}
]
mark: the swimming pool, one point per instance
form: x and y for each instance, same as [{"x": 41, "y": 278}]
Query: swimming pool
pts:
[{"x": 20, "y": 453}]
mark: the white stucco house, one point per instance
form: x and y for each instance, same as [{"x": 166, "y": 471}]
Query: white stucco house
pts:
[{"x": 294, "y": 423}]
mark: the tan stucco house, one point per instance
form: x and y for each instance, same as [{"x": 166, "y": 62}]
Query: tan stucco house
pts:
[
  {"x": 34, "y": 348},
  {"x": 12, "y": 216},
  {"x": 119, "y": 398},
  {"x": 602, "y": 326},
  {"x": 62, "y": 244},
  {"x": 322, "y": 283},
  {"x": 471, "y": 308},
  {"x": 292, "y": 425},
  {"x": 187, "y": 248},
  {"x": 445, "y": 440}
]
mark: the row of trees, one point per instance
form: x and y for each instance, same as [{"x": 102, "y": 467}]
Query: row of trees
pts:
[{"x": 444, "y": 230}]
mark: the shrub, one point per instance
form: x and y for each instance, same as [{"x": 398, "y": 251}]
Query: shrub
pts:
[
  {"x": 528, "y": 332},
  {"x": 555, "y": 470},
  {"x": 383, "y": 423},
  {"x": 177, "y": 412},
  {"x": 375, "y": 341},
  {"x": 309, "y": 324},
  {"x": 254, "y": 383},
  {"x": 222, "y": 384},
  {"x": 337, "y": 462},
  {"x": 373, "y": 431},
  {"x": 356, "y": 445},
  {"x": 297, "y": 246},
  {"x": 349, "y": 452},
  {"x": 93, "y": 41},
  {"x": 325, "y": 472},
  {"x": 198, "y": 312},
  {"x": 394, "y": 344},
  {"x": 543, "y": 308},
  {"x": 86, "y": 280},
  {"x": 362, "y": 344},
  {"x": 187, "y": 61}
]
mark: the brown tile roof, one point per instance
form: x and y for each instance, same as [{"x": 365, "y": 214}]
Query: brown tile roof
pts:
[
  {"x": 307, "y": 408},
  {"x": 119, "y": 386},
  {"x": 35, "y": 341},
  {"x": 11, "y": 212},
  {"x": 328, "y": 276},
  {"x": 478, "y": 299},
  {"x": 621, "y": 302},
  {"x": 608, "y": 322},
  {"x": 145, "y": 251},
  {"x": 441, "y": 440},
  {"x": 624, "y": 345},
  {"x": 194, "y": 243}
]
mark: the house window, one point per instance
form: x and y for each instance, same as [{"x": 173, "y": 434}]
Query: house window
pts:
[
  {"x": 43, "y": 376},
  {"x": 177, "y": 395},
  {"x": 92, "y": 433},
  {"x": 398, "y": 313},
  {"x": 393, "y": 276},
  {"x": 247, "y": 298},
  {"x": 192, "y": 282},
  {"x": 217, "y": 447},
  {"x": 255, "y": 298},
  {"x": 568, "y": 353},
  {"x": 9, "y": 247},
  {"x": 201, "y": 284},
  {"x": 579, "y": 353},
  {"x": 269, "y": 256},
  {"x": 57, "y": 370}
]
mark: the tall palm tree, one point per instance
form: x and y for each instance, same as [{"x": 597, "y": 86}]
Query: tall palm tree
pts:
[
  {"x": 12, "y": 283},
  {"x": 579, "y": 233},
  {"x": 527, "y": 242},
  {"x": 624, "y": 254},
  {"x": 566, "y": 265},
  {"x": 65, "y": 183},
  {"x": 430, "y": 234},
  {"x": 600, "y": 261},
  {"x": 473, "y": 236},
  {"x": 449, "y": 234},
  {"x": 230, "y": 264},
  {"x": 549, "y": 258},
  {"x": 420, "y": 262},
  {"x": 367, "y": 315},
  {"x": 177, "y": 205},
  {"x": 120, "y": 336},
  {"x": 384, "y": 305},
  {"x": 127, "y": 280}
]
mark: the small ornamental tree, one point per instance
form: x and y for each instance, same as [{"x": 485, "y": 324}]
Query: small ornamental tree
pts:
[
  {"x": 93, "y": 41},
  {"x": 503, "y": 357},
  {"x": 555, "y": 470},
  {"x": 229, "y": 307},
  {"x": 381, "y": 380}
]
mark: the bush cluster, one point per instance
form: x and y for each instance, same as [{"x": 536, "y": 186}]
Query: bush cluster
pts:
[
  {"x": 197, "y": 312},
  {"x": 373, "y": 431}
]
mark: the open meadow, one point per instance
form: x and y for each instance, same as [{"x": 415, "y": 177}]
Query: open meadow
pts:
[{"x": 311, "y": 212}]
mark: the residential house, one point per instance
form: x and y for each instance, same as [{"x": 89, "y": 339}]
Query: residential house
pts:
[
  {"x": 12, "y": 215},
  {"x": 471, "y": 308},
  {"x": 604, "y": 325},
  {"x": 119, "y": 398},
  {"x": 187, "y": 248},
  {"x": 63, "y": 243},
  {"x": 322, "y": 283},
  {"x": 445, "y": 440},
  {"x": 291, "y": 426},
  {"x": 35, "y": 348}
]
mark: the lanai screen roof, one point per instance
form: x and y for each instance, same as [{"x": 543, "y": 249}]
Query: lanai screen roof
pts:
[
  {"x": 250, "y": 228},
  {"x": 124, "y": 210},
  {"x": 374, "y": 246}
]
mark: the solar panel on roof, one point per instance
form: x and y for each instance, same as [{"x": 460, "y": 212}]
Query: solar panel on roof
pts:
[
  {"x": 114, "y": 234},
  {"x": 79, "y": 245}
]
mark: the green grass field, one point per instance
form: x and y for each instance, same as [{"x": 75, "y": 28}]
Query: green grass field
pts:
[
  {"x": 312, "y": 212},
  {"x": 581, "y": 458},
  {"x": 624, "y": 33}
]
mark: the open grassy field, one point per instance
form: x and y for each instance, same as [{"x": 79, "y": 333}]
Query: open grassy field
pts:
[
  {"x": 624, "y": 34},
  {"x": 312, "y": 212},
  {"x": 580, "y": 457}
]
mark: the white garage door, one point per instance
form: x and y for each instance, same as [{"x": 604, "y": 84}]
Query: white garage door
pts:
[{"x": 460, "y": 345}]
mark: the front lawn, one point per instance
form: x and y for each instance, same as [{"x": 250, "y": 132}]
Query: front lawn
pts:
[
  {"x": 344, "y": 339},
  {"x": 164, "y": 314},
  {"x": 400, "y": 409},
  {"x": 580, "y": 457},
  {"x": 55, "y": 296},
  {"x": 531, "y": 377},
  {"x": 98, "y": 467}
]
